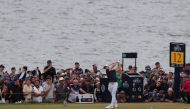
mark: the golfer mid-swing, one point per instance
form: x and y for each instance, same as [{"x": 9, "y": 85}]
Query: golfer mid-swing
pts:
[{"x": 113, "y": 85}]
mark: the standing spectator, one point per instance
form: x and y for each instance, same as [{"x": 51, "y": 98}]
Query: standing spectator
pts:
[
  {"x": 16, "y": 92},
  {"x": 23, "y": 73},
  {"x": 49, "y": 88},
  {"x": 27, "y": 91},
  {"x": 2, "y": 67},
  {"x": 186, "y": 89},
  {"x": 38, "y": 92},
  {"x": 13, "y": 72},
  {"x": 148, "y": 71},
  {"x": 95, "y": 69},
  {"x": 157, "y": 68},
  {"x": 77, "y": 69},
  {"x": 37, "y": 72},
  {"x": 49, "y": 70}
]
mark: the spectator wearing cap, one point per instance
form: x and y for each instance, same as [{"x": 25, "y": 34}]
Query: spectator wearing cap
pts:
[
  {"x": 23, "y": 73},
  {"x": 157, "y": 68},
  {"x": 148, "y": 71},
  {"x": 49, "y": 70},
  {"x": 2, "y": 67},
  {"x": 77, "y": 69},
  {"x": 62, "y": 91}
]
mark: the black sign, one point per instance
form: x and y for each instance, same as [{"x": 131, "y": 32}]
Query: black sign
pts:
[
  {"x": 129, "y": 55},
  {"x": 177, "y": 54}
]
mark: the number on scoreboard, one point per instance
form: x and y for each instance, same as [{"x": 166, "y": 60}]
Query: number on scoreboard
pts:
[
  {"x": 177, "y": 54},
  {"x": 177, "y": 58}
]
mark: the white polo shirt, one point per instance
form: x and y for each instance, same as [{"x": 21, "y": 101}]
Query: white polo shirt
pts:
[{"x": 38, "y": 91}]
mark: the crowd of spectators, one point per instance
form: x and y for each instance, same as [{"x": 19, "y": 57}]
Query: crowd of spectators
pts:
[{"x": 25, "y": 86}]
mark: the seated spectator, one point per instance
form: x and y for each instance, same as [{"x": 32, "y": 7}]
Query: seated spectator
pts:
[
  {"x": 154, "y": 96},
  {"x": 75, "y": 91},
  {"x": 48, "y": 88},
  {"x": 186, "y": 89},
  {"x": 27, "y": 91},
  {"x": 121, "y": 97},
  {"x": 38, "y": 92},
  {"x": 62, "y": 91},
  {"x": 169, "y": 96},
  {"x": 158, "y": 86},
  {"x": 97, "y": 93},
  {"x": 17, "y": 92},
  {"x": 161, "y": 96},
  {"x": 146, "y": 95}
]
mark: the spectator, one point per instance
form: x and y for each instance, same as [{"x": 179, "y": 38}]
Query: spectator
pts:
[
  {"x": 95, "y": 69},
  {"x": 77, "y": 69},
  {"x": 38, "y": 92},
  {"x": 121, "y": 97},
  {"x": 75, "y": 91},
  {"x": 5, "y": 90},
  {"x": 62, "y": 91},
  {"x": 97, "y": 93},
  {"x": 157, "y": 68},
  {"x": 23, "y": 74},
  {"x": 16, "y": 92},
  {"x": 186, "y": 89},
  {"x": 169, "y": 96},
  {"x": 148, "y": 71},
  {"x": 36, "y": 72},
  {"x": 27, "y": 91},
  {"x": 13, "y": 72},
  {"x": 154, "y": 96},
  {"x": 49, "y": 89},
  {"x": 49, "y": 70},
  {"x": 161, "y": 96},
  {"x": 2, "y": 67},
  {"x": 170, "y": 79}
]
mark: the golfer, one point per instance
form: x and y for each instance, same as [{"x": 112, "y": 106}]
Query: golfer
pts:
[{"x": 113, "y": 85}]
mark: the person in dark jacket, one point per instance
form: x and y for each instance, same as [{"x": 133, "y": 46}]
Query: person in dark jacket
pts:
[{"x": 49, "y": 70}]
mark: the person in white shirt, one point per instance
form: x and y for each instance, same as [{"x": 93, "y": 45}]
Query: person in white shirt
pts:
[
  {"x": 49, "y": 89},
  {"x": 38, "y": 92}
]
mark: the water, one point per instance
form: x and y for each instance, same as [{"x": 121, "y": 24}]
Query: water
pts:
[{"x": 91, "y": 31}]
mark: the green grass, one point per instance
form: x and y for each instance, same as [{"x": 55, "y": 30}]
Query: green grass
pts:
[{"x": 97, "y": 106}]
